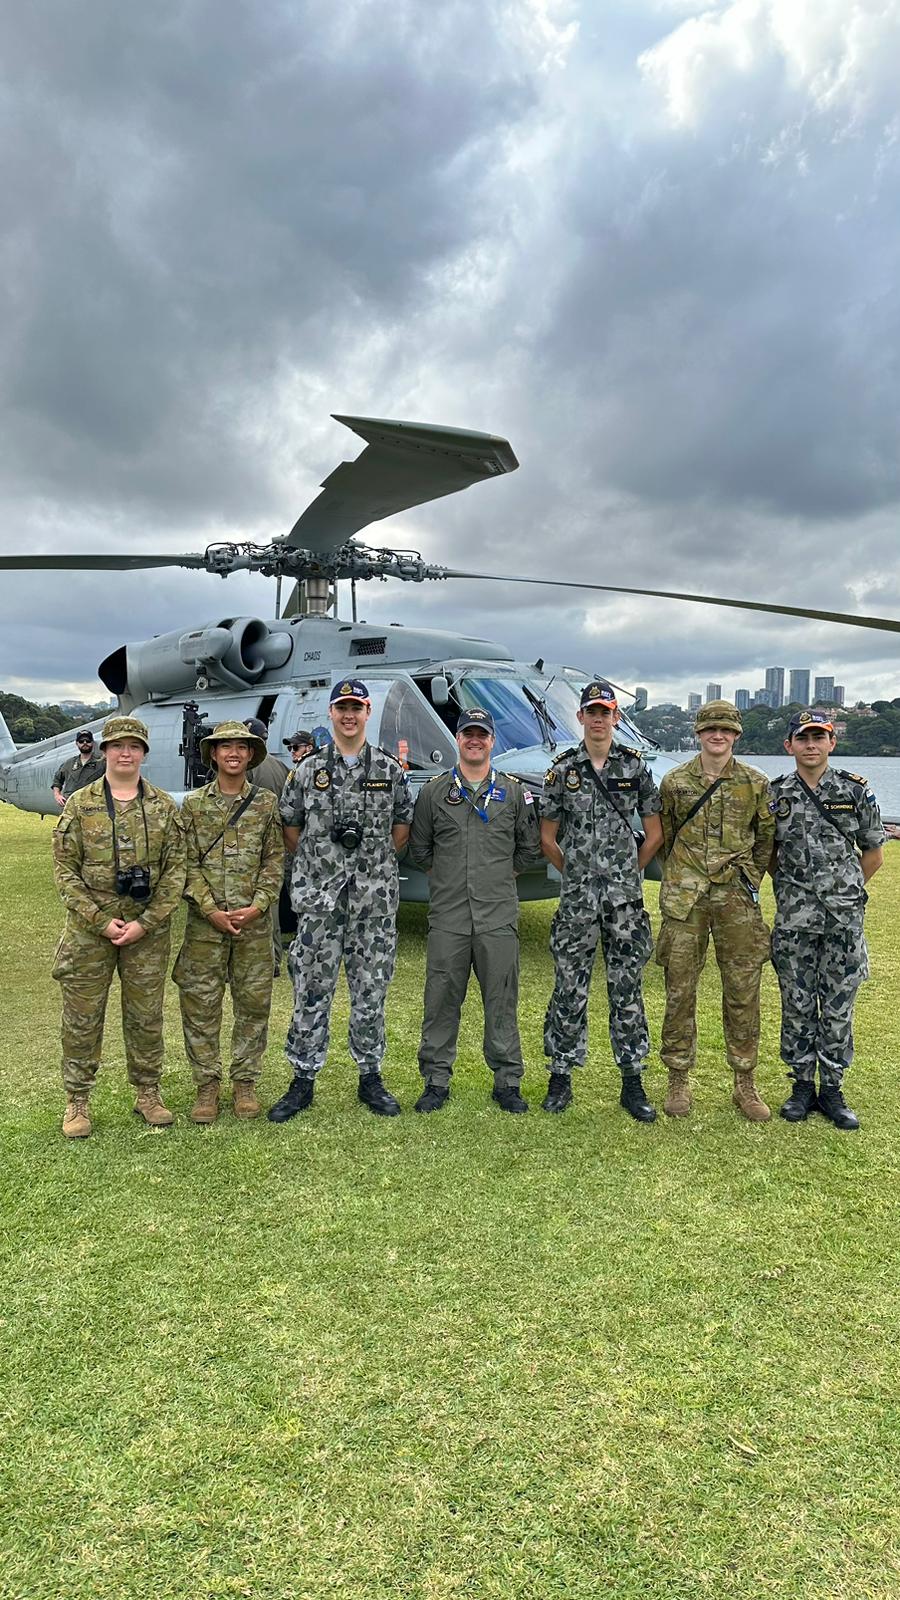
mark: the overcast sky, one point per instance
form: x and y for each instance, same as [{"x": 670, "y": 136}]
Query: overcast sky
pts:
[{"x": 655, "y": 245}]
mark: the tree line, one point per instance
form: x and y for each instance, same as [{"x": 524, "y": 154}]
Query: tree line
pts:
[
  {"x": 765, "y": 729},
  {"x": 28, "y": 722}
]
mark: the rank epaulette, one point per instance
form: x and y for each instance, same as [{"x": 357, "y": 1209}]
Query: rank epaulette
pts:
[
  {"x": 564, "y": 755},
  {"x": 629, "y": 750},
  {"x": 853, "y": 776},
  {"x": 509, "y": 776},
  {"x": 383, "y": 752}
]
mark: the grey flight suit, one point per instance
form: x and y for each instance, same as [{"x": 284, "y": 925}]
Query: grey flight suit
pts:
[
  {"x": 345, "y": 899},
  {"x": 818, "y": 945},
  {"x": 473, "y": 915},
  {"x": 601, "y": 902}
]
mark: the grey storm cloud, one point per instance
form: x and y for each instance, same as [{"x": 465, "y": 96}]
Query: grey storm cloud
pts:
[{"x": 655, "y": 245}]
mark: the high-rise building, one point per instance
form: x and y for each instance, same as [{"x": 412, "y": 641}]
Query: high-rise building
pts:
[
  {"x": 823, "y": 690},
  {"x": 762, "y": 697},
  {"x": 775, "y": 686},
  {"x": 742, "y": 699},
  {"x": 798, "y": 686},
  {"x": 713, "y": 692},
  {"x": 839, "y": 693},
  {"x": 695, "y": 701}
]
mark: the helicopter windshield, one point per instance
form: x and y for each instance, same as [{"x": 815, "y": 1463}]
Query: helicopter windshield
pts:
[{"x": 536, "y": 712}]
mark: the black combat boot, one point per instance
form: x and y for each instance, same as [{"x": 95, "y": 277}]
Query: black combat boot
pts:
[
  {"x": 433, "y": 1096},
  {"x": 296, "y": 1097},
  {"x": 833, "y": 1106},
  {"x": 801, "y": 1102},
  {"x": 559, "y": 1092},
  {"x": 509, "y": 1099},
  {"x": 634, "y": 1099},
  {"x": 373, "y": 1094}
]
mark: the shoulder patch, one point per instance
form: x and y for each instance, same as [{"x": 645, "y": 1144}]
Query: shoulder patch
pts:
[{"x": 853, "y": 776}]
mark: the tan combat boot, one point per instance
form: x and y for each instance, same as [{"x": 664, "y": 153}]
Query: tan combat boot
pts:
[
  {"x": 76, "y": 1123},
  {"x": 245, "y": 1102},
  {"x": 678, "y": 1099},
  {"x": 206, "y": 1105},
  {"x": 747, "y": 1099},
  {"x": 149, "y": 1105}
]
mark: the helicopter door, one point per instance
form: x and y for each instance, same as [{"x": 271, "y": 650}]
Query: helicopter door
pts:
[{"x": 411, "y": 730}]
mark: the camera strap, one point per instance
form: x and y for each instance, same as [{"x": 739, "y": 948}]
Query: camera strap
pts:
[
  {"x": 230, "y": 821},
  {"x": 111, "y": 813},
  {"x": 366, "y": 764}
]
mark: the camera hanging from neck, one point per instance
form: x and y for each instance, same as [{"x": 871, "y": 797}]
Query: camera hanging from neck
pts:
[{"x": 134, "y": 880}]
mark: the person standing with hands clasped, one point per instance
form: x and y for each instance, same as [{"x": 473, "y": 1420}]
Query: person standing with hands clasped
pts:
[
  {"x": 828, "y": 844},
  {"x": 118, "y": 857},
  {"x": 717, "y": 838},
  {"x": 235, "y": 860},
  {"x": 590, "y": 795},
  {"x": 473, "y": 830}
]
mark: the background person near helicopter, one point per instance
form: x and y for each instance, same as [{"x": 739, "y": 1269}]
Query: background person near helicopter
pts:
[
  {"x": 346, "y": 813},
  {"x": 80, "y": 770},
  {"x": 590, "y": 795},
  {"x": 271, "y": 774},
  {"x": 119, "y": 864}
]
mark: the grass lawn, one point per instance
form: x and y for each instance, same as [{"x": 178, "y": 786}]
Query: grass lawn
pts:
[{"x": 459, "y": 1355}]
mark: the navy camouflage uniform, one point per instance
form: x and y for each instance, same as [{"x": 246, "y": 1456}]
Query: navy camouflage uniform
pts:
[
  {"x": 818, "y": 944},
  {"x": 345, "y": 899},
  {"x": 601, "y": 902}
]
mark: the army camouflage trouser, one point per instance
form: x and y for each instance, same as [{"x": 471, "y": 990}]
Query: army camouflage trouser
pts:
[
  {"x": 624, "y": 935},
  {"x": 84, "y": 967},
  {"x": 494, "y": 957},
  {"x": 741, "y": 941},
  {"x": 819, "y": 971},
  {"x": 366, "y": 941},
  {"x": 208, "y": 963}
]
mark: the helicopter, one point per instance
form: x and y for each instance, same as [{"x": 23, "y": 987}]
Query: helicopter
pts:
[{"x": 282, "y": 669}]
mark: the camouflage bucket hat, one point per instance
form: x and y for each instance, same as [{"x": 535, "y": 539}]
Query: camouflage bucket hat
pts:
[
  {"x": 124, "y": 728},
  {"x": 718, "y": 714},
  {"x": 233, "y": 730}
]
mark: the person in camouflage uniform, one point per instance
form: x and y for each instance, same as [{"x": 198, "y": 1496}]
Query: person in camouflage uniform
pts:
[
  {"x": 80, "y": 770},
  {"x": 271, "y": 774},
  {"x": 590, "y": 795},
  {"x": 235, "y": 856},
  {"x": 472, "y": 831},
  {"x": 346, "y": 812},
  {"x": 828, "y": 844},
  {"x": 717, "y": 839},
  {"x": 110, "y": 835}
]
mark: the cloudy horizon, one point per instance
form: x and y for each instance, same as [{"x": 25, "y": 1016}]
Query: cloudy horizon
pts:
[{"x": 653, "y": 244}]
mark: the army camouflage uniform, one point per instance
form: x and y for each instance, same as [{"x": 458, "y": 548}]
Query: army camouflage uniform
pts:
[
  {"x": 473, "y": 915},
  {"x": 240, "y": 866},
  {"x": 818, "y": 945},
  {"x": 272, "y": 774},
  {"x": 85, "y": 873},
  {"x": 711, "y": 879},
  {"x": 601, "y": 902},
  {"x": 76, "y": 774},
  {"x": 345, "y": 900}
]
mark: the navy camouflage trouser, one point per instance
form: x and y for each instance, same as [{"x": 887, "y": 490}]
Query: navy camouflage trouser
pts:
[
  {"x": 366, "y": 941},
  {"x": 623, "y": 933},
  {"x": 819, "y": 971}
]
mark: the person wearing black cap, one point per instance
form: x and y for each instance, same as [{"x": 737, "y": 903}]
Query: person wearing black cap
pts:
[
  {"x": 300, "y": 744},
  {"x": 474, "y": 828},
  {"x": 828, "y": 844},
  {"x": 591, "y": 794},
  {"x": 346, "y": 813},
  {"x": 80, "y": 770}
]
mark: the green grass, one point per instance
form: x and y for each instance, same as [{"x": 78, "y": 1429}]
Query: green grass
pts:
[{"x": 463, "y": 1355}]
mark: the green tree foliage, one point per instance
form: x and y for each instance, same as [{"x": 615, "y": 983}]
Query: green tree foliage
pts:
[
  {"x": 765, "y": 730},
  {"x": 28, "y": 722}
]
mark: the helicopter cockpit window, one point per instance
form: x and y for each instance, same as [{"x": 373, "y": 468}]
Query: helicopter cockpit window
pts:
[
  {"x": 518, "y": 721},
  {"x": 411, "y": 731}
]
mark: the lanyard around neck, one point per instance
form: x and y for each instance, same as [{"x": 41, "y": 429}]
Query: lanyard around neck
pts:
[{"x": 480, "y": 810}]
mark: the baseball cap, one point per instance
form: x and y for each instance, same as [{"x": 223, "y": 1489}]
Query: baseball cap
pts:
[
  {"x": 257, "y": 726},
  {"x": 84, "y": 733},
  {"x": 302, "y": 736},
  {"x": 350, "y": 689},
  {"x": 475, "y": 719},
  {"x": 599, "y": 693},
  {"x": 809, "y": 719}
]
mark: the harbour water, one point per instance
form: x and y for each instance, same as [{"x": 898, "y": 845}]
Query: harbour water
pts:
[{"x": 882, "y": 772}]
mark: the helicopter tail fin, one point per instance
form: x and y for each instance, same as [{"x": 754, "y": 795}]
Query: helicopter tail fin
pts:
[{"x": 7, "y": 743}]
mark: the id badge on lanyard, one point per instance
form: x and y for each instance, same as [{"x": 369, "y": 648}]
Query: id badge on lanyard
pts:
[{"x": 492, "y": 794}]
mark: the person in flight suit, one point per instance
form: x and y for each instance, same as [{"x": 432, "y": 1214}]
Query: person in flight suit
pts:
[
  {"x": 718, "y": 833},
  {"x": 235, "y": 860},
  {"x": 119, "y": 862},
  {"x": 590, "y": 795},
  {"x": 346, "y": 813},
  {"x": 828, "y": 844},
  {"x": 80, "y": 770},
  {"x": 474, "y": 828}
]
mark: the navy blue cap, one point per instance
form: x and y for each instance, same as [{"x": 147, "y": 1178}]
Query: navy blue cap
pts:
[
  {"x": 599, "y": 693},
  {"x": 350, "y": 689},
  {"x": 84, "y": 733},
  {"x": 809, "y": 719},
  {"x": 475, "y": 719},
  {"x": 257, "y": 726}
]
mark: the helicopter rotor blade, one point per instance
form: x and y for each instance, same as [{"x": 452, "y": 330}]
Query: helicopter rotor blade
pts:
[
  {"x": 404, "y": 464},
  {"x": 884, "y": 624},
  {"x": 96, "y": 563}
]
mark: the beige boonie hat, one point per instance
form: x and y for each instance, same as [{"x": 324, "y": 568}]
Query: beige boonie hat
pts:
[
  {"x": 124, "y": 728},
  {"x": 718, "y": 714},
  {"x": 233, "y": 730}
]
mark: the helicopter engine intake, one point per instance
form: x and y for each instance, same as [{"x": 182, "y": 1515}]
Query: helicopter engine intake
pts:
[{"x": 234, "y": 652}]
